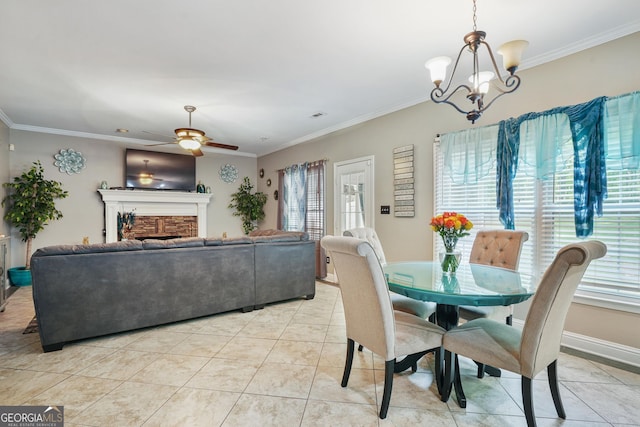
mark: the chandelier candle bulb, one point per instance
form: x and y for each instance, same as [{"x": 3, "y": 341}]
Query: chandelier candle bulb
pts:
[{"x": 438, "y": 68}]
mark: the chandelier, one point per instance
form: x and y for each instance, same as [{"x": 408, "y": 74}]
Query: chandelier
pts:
[{"x": 480, "y": 81}]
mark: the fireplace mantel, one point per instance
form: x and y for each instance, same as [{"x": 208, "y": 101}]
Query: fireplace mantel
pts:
[{"x": 153, "y": 203}]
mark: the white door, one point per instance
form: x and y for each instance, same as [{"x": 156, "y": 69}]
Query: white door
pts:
[{"x": 353, "y": 193}]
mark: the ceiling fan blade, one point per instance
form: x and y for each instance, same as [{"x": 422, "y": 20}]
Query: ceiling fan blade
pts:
[
  {"x": 157, "y": 134},
  {"x": 217, "y": 145},
  {"x": 162, "y": 143},
  {"x": 197, "y": 152}
]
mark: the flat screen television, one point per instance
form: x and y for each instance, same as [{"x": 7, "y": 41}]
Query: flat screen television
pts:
[{"x": 152, "y": 170}]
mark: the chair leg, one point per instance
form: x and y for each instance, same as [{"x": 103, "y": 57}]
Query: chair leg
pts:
[
  {"x": 360, "y": 347},
  {"x": 552, "y": 373},
  {"x": 480, "y": 369},
  {"x": 348, "y": 362},
  {"x": 439, "y": 368},
  {"x": 509, "y": 320},
  {"x": 388, "y": 384},
  {"x": 527, "y": 401}
]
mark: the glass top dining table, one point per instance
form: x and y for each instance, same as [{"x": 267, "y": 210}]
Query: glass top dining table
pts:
[{"x": 471, "y": 284}]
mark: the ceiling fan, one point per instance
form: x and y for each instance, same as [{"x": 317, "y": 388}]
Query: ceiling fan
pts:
[
  {"x": 145, "y": 177},
  {"x": 192, "y": 139}
]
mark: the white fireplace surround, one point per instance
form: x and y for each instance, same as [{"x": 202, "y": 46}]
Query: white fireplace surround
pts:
[{"x": 153, "y": 203}]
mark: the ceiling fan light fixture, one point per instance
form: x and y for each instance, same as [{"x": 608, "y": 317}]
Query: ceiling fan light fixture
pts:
[
  {"x": 189, "y": 133},
  {"x": 189, "y": 143},
  {"x": 189, "y": 138},
  {"x": 145, "y": 178}
]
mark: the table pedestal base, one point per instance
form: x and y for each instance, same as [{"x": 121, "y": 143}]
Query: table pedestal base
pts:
[{"x": 447, "y": 317}]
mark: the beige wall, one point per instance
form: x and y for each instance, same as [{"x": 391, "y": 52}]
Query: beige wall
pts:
[
  {"x": 83, "y": 210},
  {"x": 607, "y": 70}
]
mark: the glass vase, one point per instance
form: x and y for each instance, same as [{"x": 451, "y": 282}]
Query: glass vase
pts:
[{"x": 450, "y": 258}]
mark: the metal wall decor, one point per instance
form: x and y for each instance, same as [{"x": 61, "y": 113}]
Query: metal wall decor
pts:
[
  {"x": 403, "y": 182},
  {"x": 228, "y": 173},
  {"x": 69, "y": 161}
]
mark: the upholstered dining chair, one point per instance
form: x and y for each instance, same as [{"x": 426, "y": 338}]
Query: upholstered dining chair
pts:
[
  {"x": 369, "y": 315},
  {"x": 400, "y": 302},
  {"x": 499, "y": 248},
  {"x": 537, "y": 346}
]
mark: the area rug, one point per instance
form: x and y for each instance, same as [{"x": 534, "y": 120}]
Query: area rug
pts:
[{"x": 31, "y": 327}]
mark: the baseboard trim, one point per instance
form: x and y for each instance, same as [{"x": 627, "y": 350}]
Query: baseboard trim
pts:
[{"x": 606, "y": 352}]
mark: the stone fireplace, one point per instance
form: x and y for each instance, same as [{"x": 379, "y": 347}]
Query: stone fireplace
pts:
[
  {"x": 159, "y": 214},
  {"x": 164, "y": 227}
]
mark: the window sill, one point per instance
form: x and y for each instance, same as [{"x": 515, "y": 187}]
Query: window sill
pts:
[{"x": 609, "y": 301}]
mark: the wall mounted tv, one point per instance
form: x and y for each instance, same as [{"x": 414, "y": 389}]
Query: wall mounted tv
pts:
[{"x": 152, "y": 170}]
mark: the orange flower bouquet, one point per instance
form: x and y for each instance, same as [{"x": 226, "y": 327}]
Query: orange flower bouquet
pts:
[{"x": 450, "y": 226}]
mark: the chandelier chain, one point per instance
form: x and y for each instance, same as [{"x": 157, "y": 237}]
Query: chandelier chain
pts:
[{"x": 475, "y": 26}]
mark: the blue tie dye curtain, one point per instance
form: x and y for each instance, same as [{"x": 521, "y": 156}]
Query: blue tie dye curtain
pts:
[
  {"x": 590, "y": 183},
  {"x": 294, "y": 197}
]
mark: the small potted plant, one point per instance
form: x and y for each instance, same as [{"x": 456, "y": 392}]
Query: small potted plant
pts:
[
  {"x": 30, "y": 202},
  {"x": 248, "y": 206}
]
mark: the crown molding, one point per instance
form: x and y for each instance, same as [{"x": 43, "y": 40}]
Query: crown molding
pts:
[
  {"x": 6, "y": 120},
  {"x": 64, "y": 132}
]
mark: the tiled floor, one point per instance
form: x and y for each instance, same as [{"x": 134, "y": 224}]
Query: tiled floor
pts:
[{"x": 280, "y": 366}]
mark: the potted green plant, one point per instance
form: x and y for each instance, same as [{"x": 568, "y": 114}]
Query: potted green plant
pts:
[
  {"x": 30, "y": 202},
  {"x": 248, "y": 206}
]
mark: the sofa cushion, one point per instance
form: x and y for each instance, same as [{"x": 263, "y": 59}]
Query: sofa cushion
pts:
[
  {"x": 54, "y": 250},
  {"x": 181, "y": 242},
  {"x": 125, "y": 245},
  {"x": 213, "y": 241},
  {"x": 268, "y": 232},
  {"x": 276, "y": 238},
  {"x": 297, "y": 235},
  {"x": 242, "y": 240}
]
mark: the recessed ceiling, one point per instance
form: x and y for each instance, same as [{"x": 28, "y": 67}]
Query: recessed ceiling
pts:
[{"x": 257, "y": 71}]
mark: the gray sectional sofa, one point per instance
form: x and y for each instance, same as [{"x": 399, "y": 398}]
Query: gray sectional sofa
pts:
[{"x": 85, "y": 291}]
